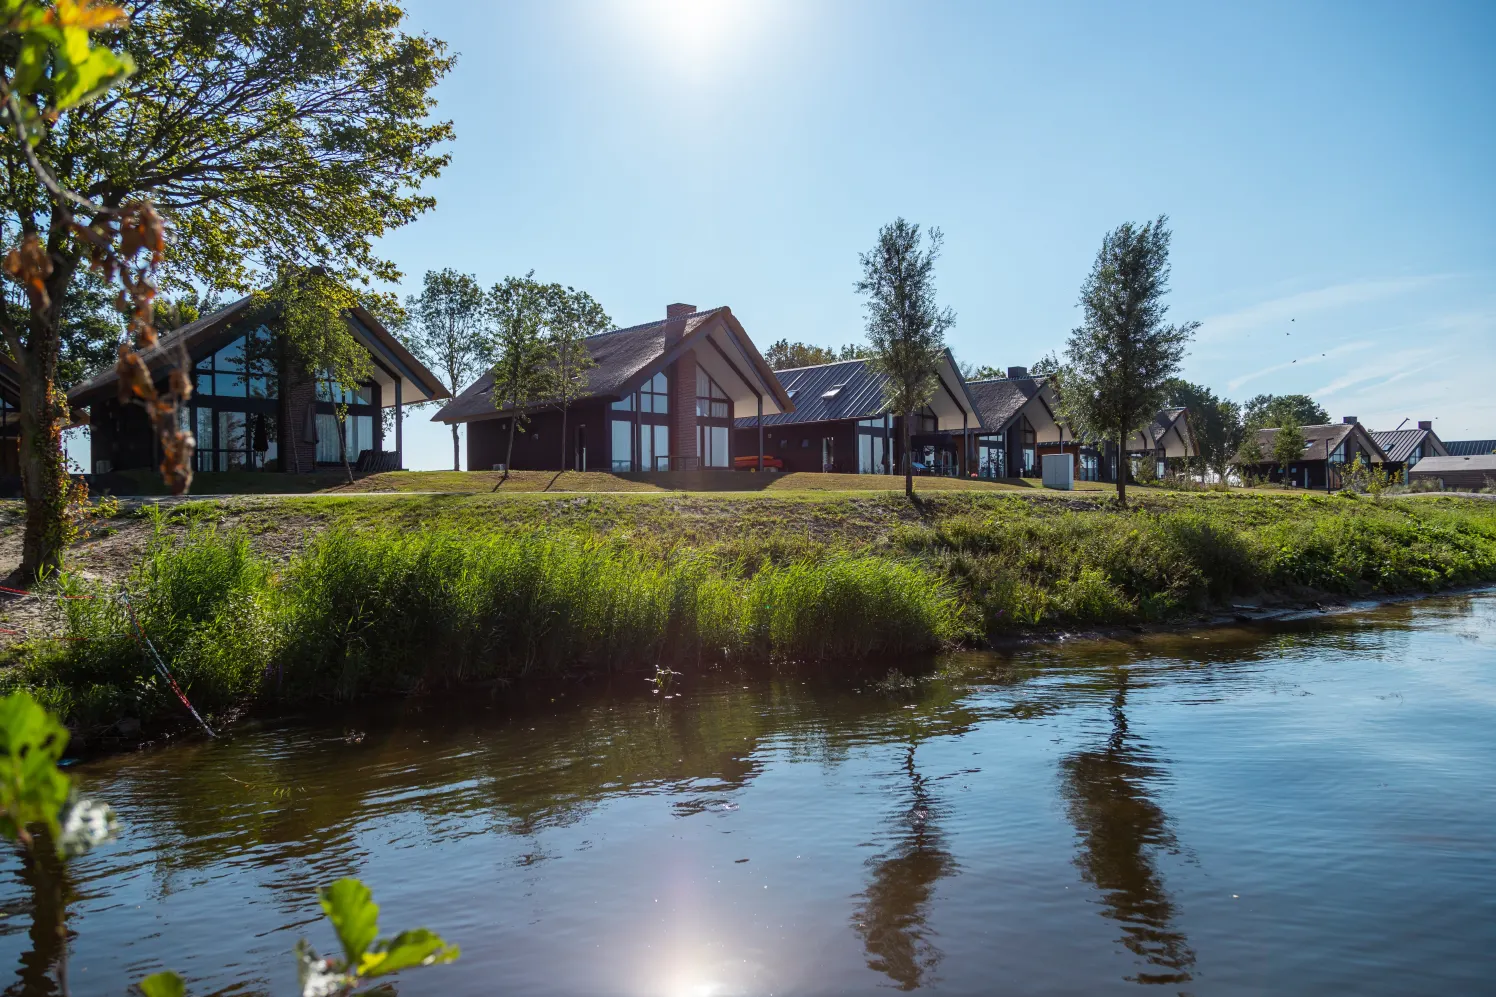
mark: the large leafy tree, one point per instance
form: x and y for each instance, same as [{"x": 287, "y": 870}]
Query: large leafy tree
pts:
[
  {"x": 1266, "y": 411},
  {"x": 523, "y": 372},
  {"x": 1121, "y": 357},
  {"x": 266, "y": 133},
  {"x": 905, "y": 326},
  {"x": 1288, "y": 446},
  {"x": 574, "y": 315},
  {"x": 449, "y": 331},
  {"x": 785, "y": 355}
]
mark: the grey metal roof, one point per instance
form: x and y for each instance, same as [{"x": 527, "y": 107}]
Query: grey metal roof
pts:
[
  {"x": 850, "y": 389},
  {"x": 1400, "y": 443},
  {"x": 1469, "y": 448},
  {"x": 1472, "y": 462}
]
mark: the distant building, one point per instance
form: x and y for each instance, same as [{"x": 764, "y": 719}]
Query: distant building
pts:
[
  {"x": 1328, "y": 450},
  {"x": 841, "y": 423},
  {"x": 1457, "y": 473},
  {"x": 663, "y": 396},
  {"x": 1406, "y": 447}
]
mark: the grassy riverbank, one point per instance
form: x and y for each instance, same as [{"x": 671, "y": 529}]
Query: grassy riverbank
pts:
[{"x": 281, "y": 602}]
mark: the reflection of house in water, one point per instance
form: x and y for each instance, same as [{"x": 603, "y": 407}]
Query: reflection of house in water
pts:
[
  {"x": 1121, "y": 830},
  {"x": 891, "y": 918}
]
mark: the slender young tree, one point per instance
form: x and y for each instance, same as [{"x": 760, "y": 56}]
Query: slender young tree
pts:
[
  {"x": 449, "y": 332},
  {"x": 573, "y": 316},
  {"x": 261, "y": 132},
  {"x": 905, "y": 327},
  {"x": 1122, "y": 355},
  {"x": 522, "y": 372},
  {"x": 1288, "y": 446}
]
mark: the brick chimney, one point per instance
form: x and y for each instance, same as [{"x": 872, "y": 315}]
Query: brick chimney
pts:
[
  {"x": 1018, "y": 372},
  {"x": 678, "y": 310},
  {"x": 1350, "y": 420},
  {"x": 1426, "y": 424}
]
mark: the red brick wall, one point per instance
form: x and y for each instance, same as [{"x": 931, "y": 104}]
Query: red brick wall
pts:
[
  {"x": 298, "y": 394},
  {"x": 682, "y": 374}
]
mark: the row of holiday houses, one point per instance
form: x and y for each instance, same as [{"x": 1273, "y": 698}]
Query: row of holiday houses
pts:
[{"x": 687, "y": 392}]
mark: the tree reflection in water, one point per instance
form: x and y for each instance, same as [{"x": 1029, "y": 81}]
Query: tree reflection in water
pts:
[
  {"x": 1121, "y": 830},
  {"x": 891, "y": 918}
]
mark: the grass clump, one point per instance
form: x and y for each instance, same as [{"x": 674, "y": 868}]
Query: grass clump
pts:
[{"x": 369, "y": 611}]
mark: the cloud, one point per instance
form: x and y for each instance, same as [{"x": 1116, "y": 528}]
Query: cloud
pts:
[
  {"x": 1322, "y": 357},
  {"x": 1281, "y": 310}
]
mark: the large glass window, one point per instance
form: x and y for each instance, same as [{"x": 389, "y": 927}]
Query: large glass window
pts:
[
  {"x": 234, "y": 404},
  {"x": 711, "y": 400},
  {"x": 872, "y": 447},
  {"x": 245, "y": 368},
  {"x": 641, "y": 440},
  {"x": 711, "y": 444},
  {"x": 990, "y": 456},
  {"x": 359, "y": 436}
]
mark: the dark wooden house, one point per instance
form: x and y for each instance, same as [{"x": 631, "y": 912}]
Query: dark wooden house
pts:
[
  {"x": 1406, "y": 447},
  {"x": 253, "y": 408},
  {"x": 663, "y": 396},
  {"x": 1328, "y": 451},
  {"x": 841, "y": 423}
]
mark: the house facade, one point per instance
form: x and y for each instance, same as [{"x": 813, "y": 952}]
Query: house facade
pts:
[
  {"x": 841, "y": 423},
  {"x": 253, "y": 408},
  {"x": 1328, "y": 451},
  {"x": 663, "y": 396},
  {"x": 1406, "y": 447},
  {"x": 1463, "y": 472}
]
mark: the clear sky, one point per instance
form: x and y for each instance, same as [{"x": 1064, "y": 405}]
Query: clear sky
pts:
[{"x": 1327, "y": 169}]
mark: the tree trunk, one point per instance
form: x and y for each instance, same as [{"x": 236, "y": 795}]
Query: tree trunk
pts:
[
  {"x": 343, "y": 446},
  {"x": 908, "y": 458},
  {"x": 563, "y": 437},
  {"x": 44, "y": 476},
  {"x": 1122, "y": 468},
  {"x": 509, "y": 453},
  {"x": 456, "y": 450},
  {"x": 44, "y": 413}
]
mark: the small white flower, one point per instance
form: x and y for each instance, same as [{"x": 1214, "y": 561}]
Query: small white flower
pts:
[
  {"x": 318, "y": 977},
  {"x": 86, "y": 824}
]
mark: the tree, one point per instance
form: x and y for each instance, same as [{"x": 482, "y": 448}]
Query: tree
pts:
[
  {"x": 1249, "y": 455},
  {"x": 1046, "y": 366},
  {"x": 1266, "y": 411},
  {"x": 297, "y": 131},
  {"x": 574, "y": 315},
  {"x": 1122, "y": 355},
  {"x": 449, "y": 332},
  {"x": 785, "y": 355},
  {"x": 522, "y": 373},
  {"x": 1288, "y": 446},
  {"x": 313, "y": 308},
  {"x": 1214, "y": 423},
  {"x": 905, "y": 327}
]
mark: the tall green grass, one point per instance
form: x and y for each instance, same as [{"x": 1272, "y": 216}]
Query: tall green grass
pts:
[{"x": 367, "y": 611}]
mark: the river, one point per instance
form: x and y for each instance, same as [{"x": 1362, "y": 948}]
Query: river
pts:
[{"x": 1304, "y": 809}]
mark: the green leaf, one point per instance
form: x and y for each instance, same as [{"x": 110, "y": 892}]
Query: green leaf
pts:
[
  {"x": 409, "y": 948},
  {"x": 166, "y": 984},
  {"x": 354, "y": 916},
  {"x": 32, "y": 790}
]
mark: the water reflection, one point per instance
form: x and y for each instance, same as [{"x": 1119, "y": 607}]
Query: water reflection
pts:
[
  {"x": 891, "y": 918},
  {"x": 1121, "y": 830}
]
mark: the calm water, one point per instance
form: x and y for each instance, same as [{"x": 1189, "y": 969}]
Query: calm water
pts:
[{"x": 1306, "y": 811}]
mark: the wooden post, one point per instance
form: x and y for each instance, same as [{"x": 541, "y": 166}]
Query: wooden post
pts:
[
  {"x": 760, "y": 434},
  {"x": 399, "y": 426}
]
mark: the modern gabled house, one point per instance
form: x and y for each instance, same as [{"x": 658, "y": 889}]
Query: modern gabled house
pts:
[
  {"x": 1406, "y": 447},
  {"x": 841, "y": 423},
  {"x": 1166, "y": 438},
  {"x": 663, "y": 396},
  {"x": 1328, "y": 450},
  {"x": 252, "y": 407},
  {"x": 1019, "y": 425}
]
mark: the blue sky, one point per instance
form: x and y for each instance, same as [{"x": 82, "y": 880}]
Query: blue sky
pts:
[{"x": 1328, "y": 170}]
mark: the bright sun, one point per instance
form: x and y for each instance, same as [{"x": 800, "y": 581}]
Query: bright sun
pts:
[{"x": 694, "y": 30}]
